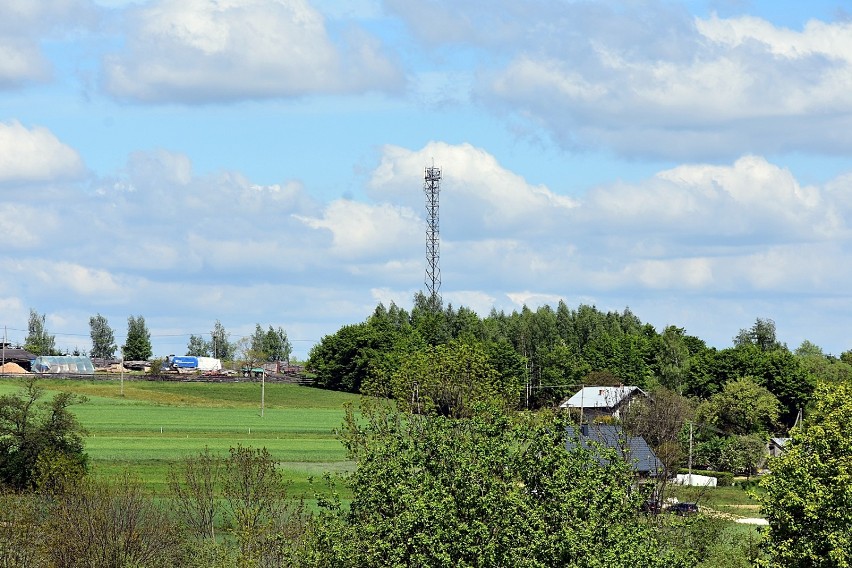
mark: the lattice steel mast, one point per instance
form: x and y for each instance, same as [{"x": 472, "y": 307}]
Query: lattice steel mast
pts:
[{"x": 432, "y": 188}]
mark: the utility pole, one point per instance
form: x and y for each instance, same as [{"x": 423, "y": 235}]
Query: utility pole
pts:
[
  {"x": 262, "y": 390},
  {"x": 690, "y": 453}
]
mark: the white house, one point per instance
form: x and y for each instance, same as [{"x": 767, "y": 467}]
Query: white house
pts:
[{"x": 603, "y": 401}]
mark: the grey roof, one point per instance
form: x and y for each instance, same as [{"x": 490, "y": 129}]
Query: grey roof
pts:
[
  {"x": 780, "y": 442},
  {"x": 633, "y": 449},
  {"x": 15, "y": 354},
  {"x": 599, "y": 397}
]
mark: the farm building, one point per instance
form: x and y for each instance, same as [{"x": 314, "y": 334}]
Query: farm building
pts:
[
  {"x": 63, "y": 364},
  {"x": 14, "y": 356}
]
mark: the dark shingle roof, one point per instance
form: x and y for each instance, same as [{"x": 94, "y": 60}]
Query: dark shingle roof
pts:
[{"x": 632, "y": 449}]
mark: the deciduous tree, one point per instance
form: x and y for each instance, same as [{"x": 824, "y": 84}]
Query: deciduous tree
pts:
[
  {"x": 39, "y": 341},
  {"x": 489, "y": 490},
  {"x": 197, "y": 346},
  {"x": 807, "y": 496},
  {"x": 137, "y": 345},
  {"x": 35, "y": 436},
  {"x": 220, "y": 345},
  {"x": 103, "y": 338}
]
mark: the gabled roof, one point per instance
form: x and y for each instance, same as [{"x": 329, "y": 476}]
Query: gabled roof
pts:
[
  {"x": 600, "y": 397},
  {"x": 633, "y": 449},
  {"x": 780, "y": 442}
]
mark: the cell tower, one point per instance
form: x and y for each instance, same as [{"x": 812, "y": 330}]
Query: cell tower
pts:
[{"x": 432, "y": 188}]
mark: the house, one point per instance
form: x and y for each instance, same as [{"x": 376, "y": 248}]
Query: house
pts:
[
  {"x": 776, "y": 446},
  {"x": 633, "y": 449},
  {"x": 595, "y": 402}
]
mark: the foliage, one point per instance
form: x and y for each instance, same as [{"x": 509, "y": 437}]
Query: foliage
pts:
[
  {"x": 673, "y": 358},
  {"x": 778, "y": 370},
  {"x": 740, "y": 454},
  {"x": 111, "y": 525},
  {"x": 277, "y": 345},
  {"x": 760, "y": 335},
  {"x": 39, "y": 441},
  {"x": 451, "y": 380},
  {"x": 489, "y": 490},
  {"x": 269, "y": 527},
  {"x": 137, "y": 345},
  {"x": 660, "y": 420},
  {"x": 39, "y": 341},
  {"x": 220, "y": 346},
  {"x": 808, "y": 494},
  {"x": 743, "y": 407},
  {"x": 21, "y": 535},
  {"x": 197, "y": 346},
  {"x": 193, "y": 484},
  {"x": 103, "y": 338}
]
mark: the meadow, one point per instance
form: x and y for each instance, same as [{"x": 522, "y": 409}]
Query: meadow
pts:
[{"x": 146, "y": 426}]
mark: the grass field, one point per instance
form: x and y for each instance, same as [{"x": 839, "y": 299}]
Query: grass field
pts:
[{"x": 155, "y": 424}]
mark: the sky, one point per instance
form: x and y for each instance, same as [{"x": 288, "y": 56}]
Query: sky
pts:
[{"x": 262, "y": 162}]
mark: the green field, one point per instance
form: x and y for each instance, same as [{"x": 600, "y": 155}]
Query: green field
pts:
[{"x": 154, "y": 424}]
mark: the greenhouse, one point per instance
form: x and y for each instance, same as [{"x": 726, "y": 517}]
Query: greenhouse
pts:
[{"x": 63, "y": 365}]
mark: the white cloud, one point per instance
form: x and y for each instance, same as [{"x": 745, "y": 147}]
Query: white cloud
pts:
[
  {"x": 478, "y": 301},
  {"x": 25, "y": 227},
  {"x": 69, "y": 279},
  {"x": 204, "y": 51},
  {"x": 23, "y": 23},
  {"x": 752, "y": 200},
  {"x": 532, "y": 299},
  {"x": 650, "y": 80},
  {"x": 477, "y": 192},
  {"x": 359, "y": 229},
  {"x": 35, "y": 155}
]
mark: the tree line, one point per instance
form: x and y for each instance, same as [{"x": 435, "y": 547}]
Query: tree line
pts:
[
  {"x": 263, "y": 345},
  {"x": 450, "y": 358}
]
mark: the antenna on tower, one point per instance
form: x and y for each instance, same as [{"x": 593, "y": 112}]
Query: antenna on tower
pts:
[{"x": 432, "y": 188}]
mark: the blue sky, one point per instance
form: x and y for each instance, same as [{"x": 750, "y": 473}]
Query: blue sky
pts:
[{"x": 261, "y": 161}]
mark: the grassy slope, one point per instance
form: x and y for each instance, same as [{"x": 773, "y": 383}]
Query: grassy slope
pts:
[{"x": 154, "y": 424}]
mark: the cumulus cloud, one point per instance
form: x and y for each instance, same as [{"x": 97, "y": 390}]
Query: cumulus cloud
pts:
[
  {"x": 359, "y": 229},
  {"x": 34, "y": 155},
  {"x": 477, "y": 195},
  {"x": 647, "y": 79},
  {"x": 695, "y": 228},
  {"x": 751, "y": 200},
  {"x": 23, "y": 23},
  {"x": 743, "y": 86},
  {"x": 204, "y": 51}
]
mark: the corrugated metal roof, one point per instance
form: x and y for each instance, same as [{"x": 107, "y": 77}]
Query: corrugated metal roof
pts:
[{"x": 599, "y": 397}]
